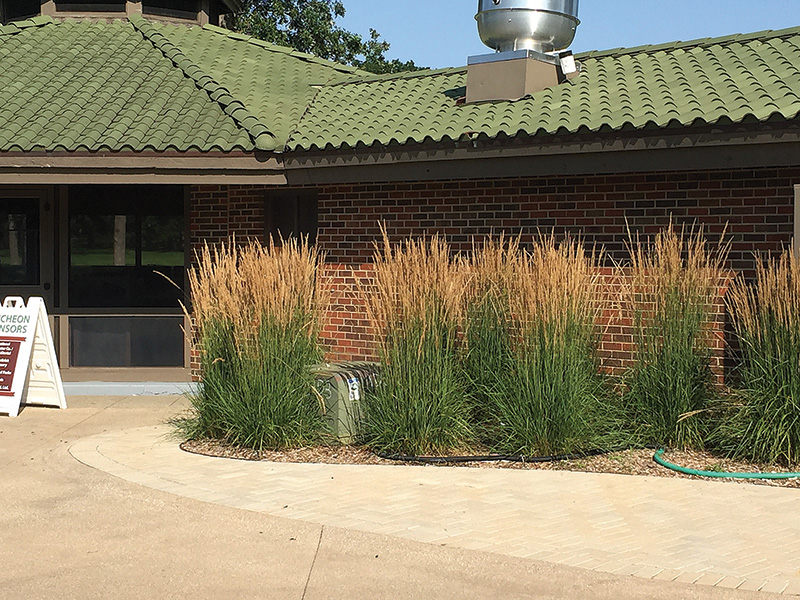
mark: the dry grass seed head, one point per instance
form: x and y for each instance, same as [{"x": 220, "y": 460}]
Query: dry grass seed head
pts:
[
  {"x": 243, "y": 284},
  {"x": 775, "y": 293},
  {"x": 415, "y": 281},
  {"x": 679, "y": 265},
  {"x": 556, "y": 281},
  {"x": 548, "y": 283}
]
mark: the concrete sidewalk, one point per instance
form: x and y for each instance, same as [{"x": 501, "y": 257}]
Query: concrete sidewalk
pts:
[{"x": 170, "y": 524}]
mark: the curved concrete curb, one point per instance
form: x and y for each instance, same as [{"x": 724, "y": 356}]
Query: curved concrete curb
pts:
[{"x": 733, "y": 536}]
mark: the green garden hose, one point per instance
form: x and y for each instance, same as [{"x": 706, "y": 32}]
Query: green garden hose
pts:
[{"x": 659, "y": 458}]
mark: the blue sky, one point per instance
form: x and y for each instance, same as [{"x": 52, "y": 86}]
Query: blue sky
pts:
[{"x": 442, "y": 33}]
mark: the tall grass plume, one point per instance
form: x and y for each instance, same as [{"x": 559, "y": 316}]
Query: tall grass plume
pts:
[
  {"x": 532, "y": 337},
  {"x": 415, "y": 305},
  {"x": 765, "y": 422},
  {"x": 673, "y": 284},
  {"x": 257, "y": 313}
]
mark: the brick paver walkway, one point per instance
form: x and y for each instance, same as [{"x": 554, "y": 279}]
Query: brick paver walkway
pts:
[{"x": 714, "y": 533}]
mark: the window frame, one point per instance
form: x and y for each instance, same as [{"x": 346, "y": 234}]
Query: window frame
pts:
[{"x": 302, "y": 198}]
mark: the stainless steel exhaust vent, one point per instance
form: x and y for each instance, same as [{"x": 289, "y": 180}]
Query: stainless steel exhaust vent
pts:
[
  {"x": 528, "y": 37},
  {"x": 541, "y": 25}
]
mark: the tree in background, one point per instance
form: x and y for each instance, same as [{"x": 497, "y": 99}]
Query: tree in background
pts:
[{"x": 310, "y": 26}]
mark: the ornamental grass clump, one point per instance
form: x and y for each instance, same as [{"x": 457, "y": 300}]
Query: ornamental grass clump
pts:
[
  {"x": 532, "y": 337},
  {"x": 415, "y": 305},
  {"x": 669, "y": 299},
  {"x": 764, "y": 423},
  {"x": 257, "y": 313},
  {"x": 487, "y": 356}
]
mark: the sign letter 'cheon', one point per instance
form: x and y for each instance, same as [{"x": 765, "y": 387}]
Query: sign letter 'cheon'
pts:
[{"x": 29, "y": 371}]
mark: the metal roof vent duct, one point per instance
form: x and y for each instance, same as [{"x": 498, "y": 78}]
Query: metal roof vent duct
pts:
[
  {"x": 529, "y": 37},
  {"x": 541, "y": 25}
]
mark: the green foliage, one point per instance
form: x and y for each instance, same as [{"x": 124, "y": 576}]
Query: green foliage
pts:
[
  {"x": 532, "y": 348},
  {"x": 670, "y": 389},
  {"x": 419, "y": 406},
  {"x": 488, "y": 359},
  {"x": 257, "y": 314},
  {"x": 763, "y": 421},
  {"x": 502, "y": 349},
  {"x": 310, "y": 26},
  {"x": 551, "y": 401},
  {"x": 257, "y": 395},
  {"x": 374, "y": 51}
]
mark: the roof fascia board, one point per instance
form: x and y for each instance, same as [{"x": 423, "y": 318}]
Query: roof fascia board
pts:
[
  {"x": 499, "y": 159},
  {"x": 60, "y": 177},
  {"x": 262, "y": 160},
  {"x": 26, "y": 168},
  {"x": 712, "y": 149},
  {"x": 650, "y": 161}
]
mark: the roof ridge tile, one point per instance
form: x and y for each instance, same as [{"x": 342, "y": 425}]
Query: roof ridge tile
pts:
[
  {"x": 374, "y": 78},
  {"x": 19, "y": 26},
  {"x": 304, "y": 56},
  {"x": 263, "y": 138},
  {"x": 735, "y": 38}
]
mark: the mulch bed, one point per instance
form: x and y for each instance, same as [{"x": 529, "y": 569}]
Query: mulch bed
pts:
[{"x": 628, "y": 462}]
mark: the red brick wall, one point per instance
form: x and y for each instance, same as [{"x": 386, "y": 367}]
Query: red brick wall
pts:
[
  {"x": 208, "y": 216},
  {"x": 756, "y": 205},
  {"x": 617, "y": 347},
  {"x": 347, "y": 332},
  {"x": 219, "y": 213},
  {"x": 246, "y": 212}
]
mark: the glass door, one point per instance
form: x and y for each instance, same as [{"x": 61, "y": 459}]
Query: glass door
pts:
[
  {"x": 26, "y": 244},
  {"x": 126, "y": 269}
]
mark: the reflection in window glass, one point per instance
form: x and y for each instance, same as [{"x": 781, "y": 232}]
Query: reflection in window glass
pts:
[
  {"x": 102, "y": 240},
  {"x": 162, "y": 241},
  {"x": 126, "y": 246},
  {"x": 291, "y": 213},
  {"x": 19, "y": 241}
]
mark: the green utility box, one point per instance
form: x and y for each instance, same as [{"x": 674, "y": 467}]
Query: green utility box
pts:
[{"x": 341, "y": 387}]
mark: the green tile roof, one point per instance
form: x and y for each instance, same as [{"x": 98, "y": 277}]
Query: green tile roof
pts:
[
  {"x": 141, "y": 86},
  {"x": 135, "y": 85},
  {"x": 102, "y": 86},
  {"x": 731, "y": 79},
  {"x": 275, "y": 83}
]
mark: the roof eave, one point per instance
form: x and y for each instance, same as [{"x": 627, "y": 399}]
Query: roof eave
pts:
[
  {"x": 760, "y": 144},
  {"x": 191, "y": 168}
]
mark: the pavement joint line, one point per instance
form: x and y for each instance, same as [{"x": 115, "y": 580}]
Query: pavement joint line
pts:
[
  {"x": 61, "y": 434},
  {"x": 313, "y": 562}
]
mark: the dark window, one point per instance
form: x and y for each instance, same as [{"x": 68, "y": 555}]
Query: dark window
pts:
[
  {"x": 19, "y": 9},
  {"x": 126, "y": 246},
  {"x": 291, "y": 213},
  {"x": 171, "y": 8},
  {"x": 126, "y": 341},
  {"x": 90, "y": 7},
  {"x": 19, "y": 241}
]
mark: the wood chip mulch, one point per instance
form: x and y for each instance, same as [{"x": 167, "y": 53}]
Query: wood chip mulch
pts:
[{"x": 628, "y": 462}]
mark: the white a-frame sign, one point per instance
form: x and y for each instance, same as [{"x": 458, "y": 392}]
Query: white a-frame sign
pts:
[{"x": 29, "y": 371}]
